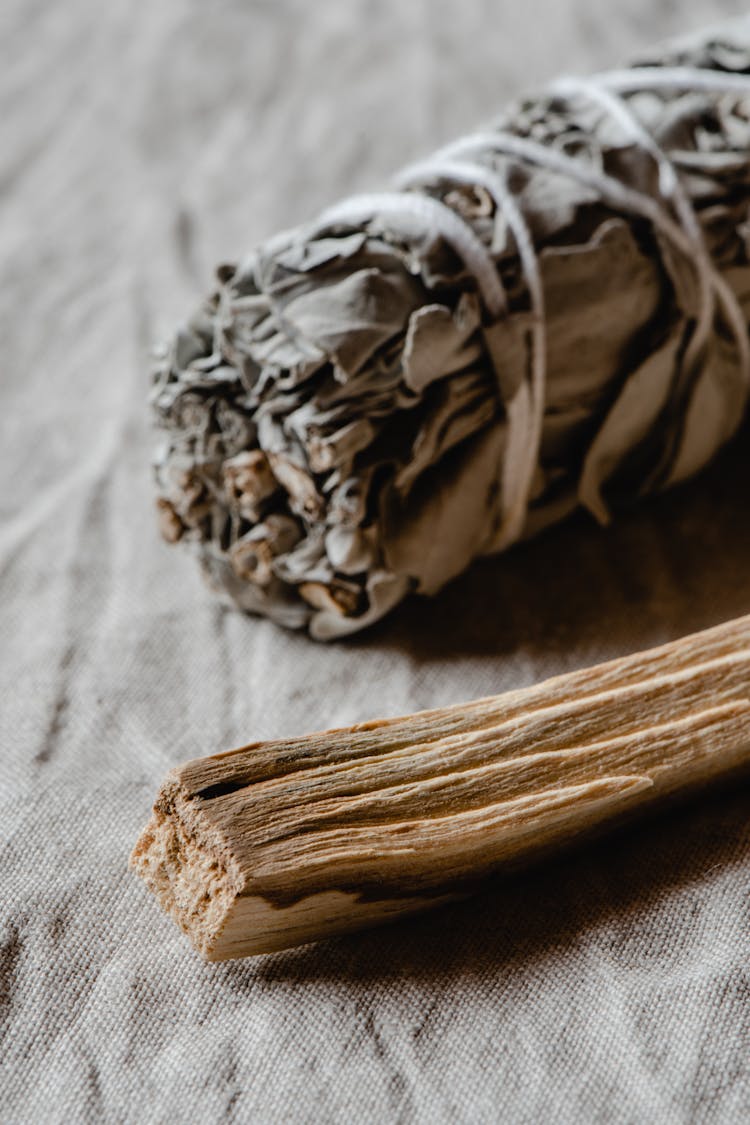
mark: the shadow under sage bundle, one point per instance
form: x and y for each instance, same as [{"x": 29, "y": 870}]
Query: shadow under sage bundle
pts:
[{"x": 548, "y": 313}]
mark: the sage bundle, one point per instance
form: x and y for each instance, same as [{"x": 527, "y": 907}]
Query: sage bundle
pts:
[{"x": 549, "y": 313}]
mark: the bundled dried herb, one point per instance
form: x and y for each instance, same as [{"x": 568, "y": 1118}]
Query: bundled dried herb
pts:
[{"x": 549, "y": 313}]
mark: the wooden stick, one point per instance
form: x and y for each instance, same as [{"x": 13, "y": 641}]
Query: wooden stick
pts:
[{"x": 286, "y": 842}]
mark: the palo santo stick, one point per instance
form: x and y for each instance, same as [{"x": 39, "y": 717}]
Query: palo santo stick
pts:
[{"x": 286, "y": 842}]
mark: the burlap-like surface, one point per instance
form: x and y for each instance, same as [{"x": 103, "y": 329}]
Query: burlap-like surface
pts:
[{"x": 142, "y": 144}]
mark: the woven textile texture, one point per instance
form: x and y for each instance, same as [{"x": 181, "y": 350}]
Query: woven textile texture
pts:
[{"x": 140, "y": 145}]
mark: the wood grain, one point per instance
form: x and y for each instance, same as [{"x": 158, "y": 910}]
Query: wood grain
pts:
[{"x": 284, "y": 842}]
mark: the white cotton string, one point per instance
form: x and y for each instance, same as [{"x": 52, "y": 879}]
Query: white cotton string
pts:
[
  {"x": 459, "y": 161},
  {"x": 618, "y": 195},
  {"x": 639, "y": 78},
  {"x": 609, "y": 189},
  {"x": 432, "y": 216},
  {"x": 672, "y": 189},
  {"x": 522, "y": 449},
  {"x": 523, "y": 415},
  {"x": 709, "y": 279},
  {"x": 525, "y": 409}
]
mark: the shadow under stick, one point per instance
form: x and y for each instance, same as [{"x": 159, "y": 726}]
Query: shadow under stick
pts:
[{"x": 286, "y": 842}]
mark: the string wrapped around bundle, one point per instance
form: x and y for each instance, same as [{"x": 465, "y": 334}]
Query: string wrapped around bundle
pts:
[{"x": 549, "y": 313}]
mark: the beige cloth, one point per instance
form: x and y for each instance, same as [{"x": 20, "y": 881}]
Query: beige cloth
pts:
[{"x": 140, "y": 145}]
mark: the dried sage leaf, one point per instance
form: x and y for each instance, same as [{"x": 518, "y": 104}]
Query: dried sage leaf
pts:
[{"x": 551, "y": 313}]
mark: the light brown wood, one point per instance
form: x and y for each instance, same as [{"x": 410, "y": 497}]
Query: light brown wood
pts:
[{"x": 286, "y": 842}]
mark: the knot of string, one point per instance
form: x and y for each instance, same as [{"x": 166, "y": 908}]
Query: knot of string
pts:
[{"x": 671, "y": 214}]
